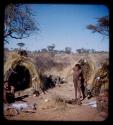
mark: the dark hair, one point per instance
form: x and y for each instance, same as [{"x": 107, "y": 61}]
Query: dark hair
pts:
[
  {"x": 78, "y": 65},
  {"x": 6, "y": 81}
]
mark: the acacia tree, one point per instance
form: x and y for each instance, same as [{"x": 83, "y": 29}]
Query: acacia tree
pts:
[
  {"x": 51, "y": 47},
  {"x": 20, "y": 45},
  {"x": 44, "y": 50},
  {"x": 68, "y": 50},
  {"x": 101, "y": 27},
  {"x": 83, "y": 50},
  {"x": 18, "y": 21}
]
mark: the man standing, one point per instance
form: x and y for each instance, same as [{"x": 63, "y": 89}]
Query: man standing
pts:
[{"x": 78, "y": 81}]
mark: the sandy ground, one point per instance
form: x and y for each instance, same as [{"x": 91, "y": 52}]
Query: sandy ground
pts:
[{"x": 50, "y": 110}]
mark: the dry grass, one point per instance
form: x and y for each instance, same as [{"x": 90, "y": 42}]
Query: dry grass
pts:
[
  {"x": 45, "y": 62},
  {"x": 15, "y": 59}
]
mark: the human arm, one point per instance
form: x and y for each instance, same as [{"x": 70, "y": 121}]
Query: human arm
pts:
[{"x": 12, "y": 89}]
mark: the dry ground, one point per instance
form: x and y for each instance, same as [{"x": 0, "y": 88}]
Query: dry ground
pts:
[{"x": 50, "y": 109}]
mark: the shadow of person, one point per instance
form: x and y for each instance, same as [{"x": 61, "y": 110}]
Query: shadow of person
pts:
[{"x": 21, "y": 98}]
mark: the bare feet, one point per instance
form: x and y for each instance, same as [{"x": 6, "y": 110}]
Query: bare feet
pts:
[
  {"x": 83, "y": 98},
  {"x": 79, "y": 101}
]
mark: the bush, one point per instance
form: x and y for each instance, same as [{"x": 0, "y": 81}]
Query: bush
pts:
[{"x": 46, "y": 62}]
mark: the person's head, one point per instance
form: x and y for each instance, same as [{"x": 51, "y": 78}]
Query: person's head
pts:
[
  {"x": 6, "y": 84},
  {"x": 77, "y": 66}
]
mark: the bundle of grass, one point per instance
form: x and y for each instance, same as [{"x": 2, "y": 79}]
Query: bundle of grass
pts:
[
  {"x": 101, "y": 79},
  {"x": 87, "y": 67},
  {"x": 21, "y": 70}
]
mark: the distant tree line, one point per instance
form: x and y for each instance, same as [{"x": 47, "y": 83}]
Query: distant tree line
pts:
[
  {"x": 68, "y": 50},
  {"x": 50, "y": 49},
  {"x": 83, "y": 50}
]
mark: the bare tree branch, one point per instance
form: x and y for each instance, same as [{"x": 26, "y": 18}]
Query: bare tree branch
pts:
[
  {"x": 101, "y": 27},
  {"x": 18, "y": 22}
]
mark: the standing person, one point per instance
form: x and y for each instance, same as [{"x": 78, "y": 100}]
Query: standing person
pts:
[{"x": 78, "y": 83}]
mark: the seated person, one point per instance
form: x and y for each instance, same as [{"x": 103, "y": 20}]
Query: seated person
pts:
[{"x": 9, "y": 93}]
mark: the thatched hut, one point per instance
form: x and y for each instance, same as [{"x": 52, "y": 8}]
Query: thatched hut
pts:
[
  {"x": 88, "y": 68},
  {"x": 21, "y": 72},
  {"x": 101, "y": 79}
]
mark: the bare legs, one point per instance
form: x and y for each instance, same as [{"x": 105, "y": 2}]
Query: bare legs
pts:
[
  {"x": 77, "y": 88},
  {"x": 83, "y": 91}
]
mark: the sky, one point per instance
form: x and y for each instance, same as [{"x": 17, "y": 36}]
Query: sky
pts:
[{"x": 65, "y": 26}]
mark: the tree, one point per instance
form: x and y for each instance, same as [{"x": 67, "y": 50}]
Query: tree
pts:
[
  {"x": 68, "y": 50},
  {"x": 101, "y": 27},
  {"x": 44, "y": 50},
  {"x": 92, "y": 51},
  {"x": 78, "y": 50},
  {"x": 20, "y": 45},
  {"x": 61, "y": 51},
  {"x": 83, "y": 50},
  {"x": 51, "y": 47},
  {"x": 18, "y": 22},
  {"x": 15, "y": 50}
]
